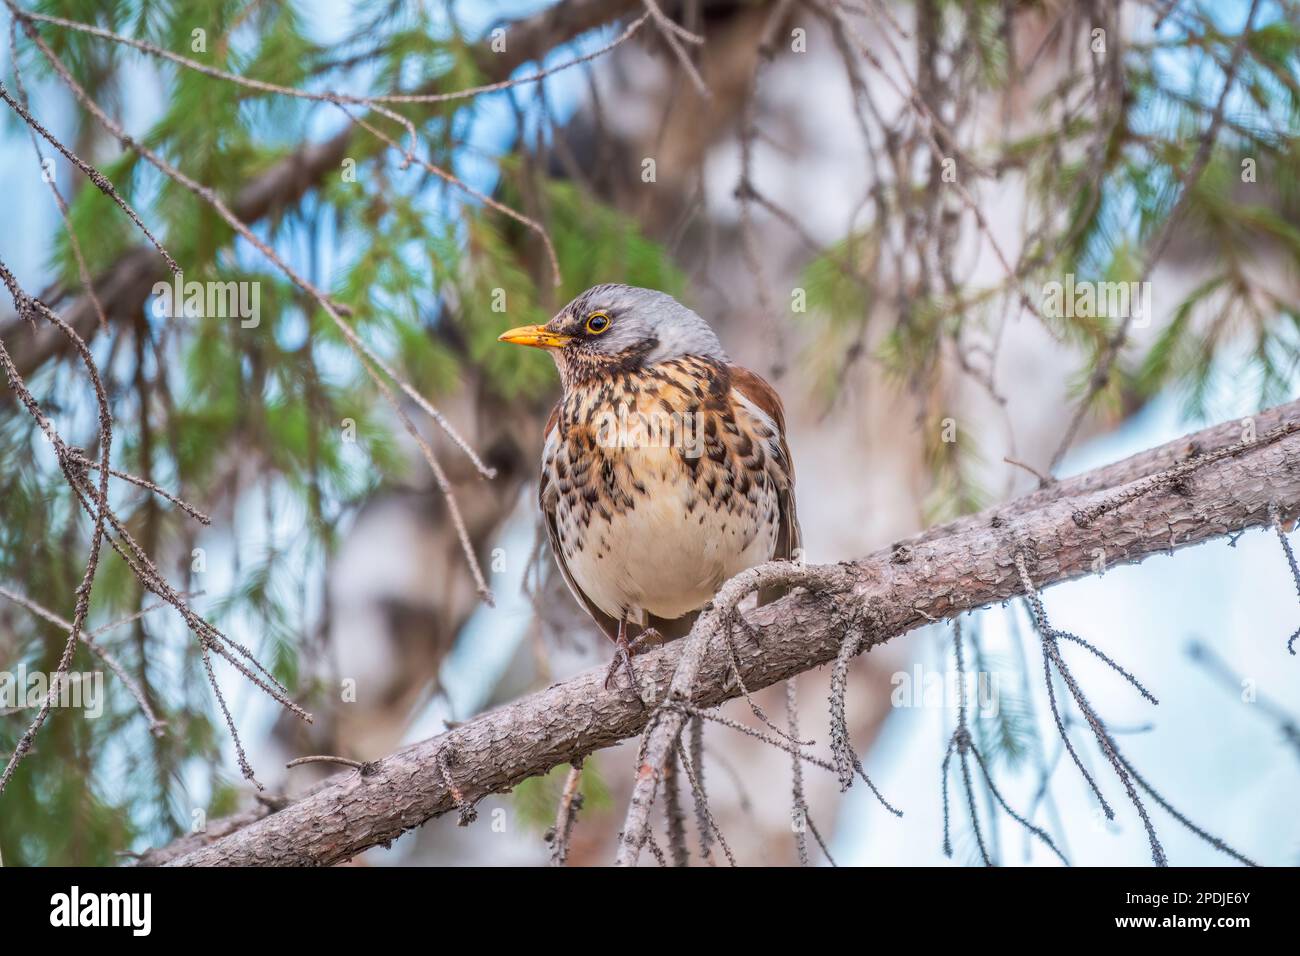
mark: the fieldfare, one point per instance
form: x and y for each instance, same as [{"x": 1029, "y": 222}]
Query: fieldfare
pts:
[{"x": 665, "y": 470}]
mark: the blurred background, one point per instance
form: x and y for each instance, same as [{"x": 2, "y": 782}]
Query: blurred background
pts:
[{"x": 866, "y": 199}]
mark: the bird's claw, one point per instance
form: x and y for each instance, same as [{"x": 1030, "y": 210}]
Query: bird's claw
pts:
[
  {"x": 623, "y": 658},
  {"x": 624, "y": 651}
]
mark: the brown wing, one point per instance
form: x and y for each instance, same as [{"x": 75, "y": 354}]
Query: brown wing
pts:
[
  {"x": 548, "y": 495},
  {"x": 789, "y": 539}
]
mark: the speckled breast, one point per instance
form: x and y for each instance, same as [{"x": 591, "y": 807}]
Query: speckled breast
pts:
[{"x": 664, "y": 487}]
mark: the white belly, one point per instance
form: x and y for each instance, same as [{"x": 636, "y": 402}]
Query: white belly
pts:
[{"x": 669, "y": 553}]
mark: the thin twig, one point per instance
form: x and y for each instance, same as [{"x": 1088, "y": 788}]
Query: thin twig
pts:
[
  {"x": 94, "y": 175},
  {"x": 673, "y": 35},
  {"x": 27, "y": 306},
  {"x": 1105, "y": 742},
  {"x": 566, "y": 815},
  {"x": 364, "y": 767},
  {"x": 1275, "y": 517},
  {"x": 465, "y": 810},
  {"x": 156, "y": 725}
]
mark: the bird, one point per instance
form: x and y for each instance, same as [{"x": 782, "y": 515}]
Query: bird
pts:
[{"x": 665, "y": 468}]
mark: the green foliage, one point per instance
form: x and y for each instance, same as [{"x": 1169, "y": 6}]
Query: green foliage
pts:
[
  {"x": 537, "y": 799},
  {"x": 952, "y": 456}
]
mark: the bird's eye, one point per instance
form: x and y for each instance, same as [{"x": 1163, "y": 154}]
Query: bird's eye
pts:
[{"x": 597, "y": 322}]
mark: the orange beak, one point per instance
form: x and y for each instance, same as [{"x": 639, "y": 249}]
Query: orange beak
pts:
[{"x": 535, "y": 335}]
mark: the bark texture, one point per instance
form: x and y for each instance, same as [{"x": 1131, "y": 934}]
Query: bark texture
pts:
[{"x": 965, "y": 565}]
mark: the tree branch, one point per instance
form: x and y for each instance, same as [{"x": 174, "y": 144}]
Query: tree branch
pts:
[{"x": 969, "y": 564}]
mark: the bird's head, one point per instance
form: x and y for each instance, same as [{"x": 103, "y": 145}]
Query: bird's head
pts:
[{"x": 618, "y": 328}]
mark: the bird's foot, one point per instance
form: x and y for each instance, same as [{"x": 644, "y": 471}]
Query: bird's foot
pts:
[
  {"x": 622, "y": 658},
  {"x": 644, "y": 641},
  {"x": 624, "y": 651}
]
